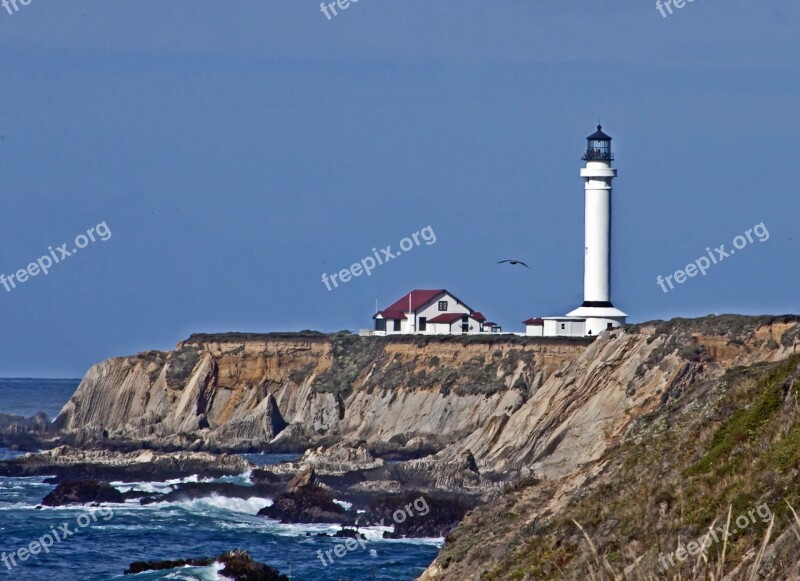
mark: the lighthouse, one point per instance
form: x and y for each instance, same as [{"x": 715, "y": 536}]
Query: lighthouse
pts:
[{"x": 597, "y": 310}]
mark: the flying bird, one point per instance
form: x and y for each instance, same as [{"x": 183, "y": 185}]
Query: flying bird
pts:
[{"x": 513, "y": 262}]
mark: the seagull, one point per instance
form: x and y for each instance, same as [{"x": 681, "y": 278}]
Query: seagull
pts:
[{"x": 513, "y": 262}]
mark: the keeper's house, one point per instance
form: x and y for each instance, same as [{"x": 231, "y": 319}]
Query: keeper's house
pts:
[{"x": 431, "y": 312}]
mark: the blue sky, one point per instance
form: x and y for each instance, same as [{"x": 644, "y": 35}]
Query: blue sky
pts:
[{"x": 238, "y": 150}]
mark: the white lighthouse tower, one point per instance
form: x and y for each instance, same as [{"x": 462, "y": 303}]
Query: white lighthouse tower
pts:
[{"x": 597, "y": 309}]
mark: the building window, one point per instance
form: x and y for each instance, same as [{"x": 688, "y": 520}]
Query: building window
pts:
[
  {"x": 397, "y": 324},
  {"x": 563, "y": 326},
  {"x": 442, "y": 305},
  {"x": 380, "y": 324},
  {"x": 465, "y": 319},
  {"x": 465, "y": 328},
  {"x": 423, "y": 323},
  {"x": 608, "y": 325}
]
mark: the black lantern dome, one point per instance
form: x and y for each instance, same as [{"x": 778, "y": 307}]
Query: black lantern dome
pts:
[{"x": 598, "y": 147}]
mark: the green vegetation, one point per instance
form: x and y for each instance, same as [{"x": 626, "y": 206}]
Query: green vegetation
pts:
[
  {"x": 733, "y": 443},
  {"x": 180, "y": 366},
  {"x": 745, "y": 425}
]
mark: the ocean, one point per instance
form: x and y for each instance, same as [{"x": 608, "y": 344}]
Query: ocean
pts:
[
  {"x": 110, "y": 537},
  {"x": 27, "y": 397}
]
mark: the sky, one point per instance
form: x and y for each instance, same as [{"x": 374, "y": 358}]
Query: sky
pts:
[{"x": 234, "y": 152}]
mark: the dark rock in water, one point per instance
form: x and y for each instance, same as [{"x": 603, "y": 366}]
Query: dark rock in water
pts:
[
  {"x": 193, "y": 490},
  {"x": 346, "y": 533},
  {"x": 415, "y": 514},
  {"x": 264, "y": 476},
  {"x": 72, "y": 464},
  {"x": 21, "y": 433},
  {"x": 239, "y": 566},
  {"x": 83, "y": 492},
  {"x": 40, "y": 423},
  {"x": 306, "y": 504}
]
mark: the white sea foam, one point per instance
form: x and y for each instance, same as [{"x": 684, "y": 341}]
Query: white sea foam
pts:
[
  {"x": 153, "y": 487},
  {"x": 344, "y": 504},
  {"x": 373, "y": 534},
  {"x": 242, "y": 479},
  {"x": 210, "y": 573},
  {"x": 162, "y": 487},
  {"x": 241, "y": 505},
  {"x": 215, "y": 504}
]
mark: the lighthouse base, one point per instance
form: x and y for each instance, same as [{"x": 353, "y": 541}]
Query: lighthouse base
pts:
[{"x": 599, "y": 319}]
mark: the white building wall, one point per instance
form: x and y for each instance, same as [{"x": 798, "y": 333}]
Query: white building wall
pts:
[
  {"x": 534, "y": 330},
  {"x": 597, "y": 230},
  {"x": 564, "y": 327},
  {"x": 596, "y": 325},
  {"x": 432, "y": 310}
]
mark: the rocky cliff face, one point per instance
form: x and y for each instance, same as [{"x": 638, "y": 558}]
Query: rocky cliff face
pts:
[
  {"x": 620, "y": 436},
  {"x": 238, "y": 392},
  {"x": 589, "y": 404}
]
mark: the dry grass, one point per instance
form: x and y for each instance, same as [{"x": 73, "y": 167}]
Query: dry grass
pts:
[{"x": 703, "y": 570}]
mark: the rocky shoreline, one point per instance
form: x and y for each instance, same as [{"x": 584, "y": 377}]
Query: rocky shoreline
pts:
[
  {"x": 464, "y": 425},
  {"x": 299, "y": 493}
]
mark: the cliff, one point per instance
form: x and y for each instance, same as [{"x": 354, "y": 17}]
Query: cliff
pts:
[
  {"x": 291, "y": 392},
  {"x": 646, "y": 440}
]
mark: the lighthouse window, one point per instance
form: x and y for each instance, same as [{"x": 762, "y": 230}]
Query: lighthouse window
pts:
[{"x": 599, "y": 149}]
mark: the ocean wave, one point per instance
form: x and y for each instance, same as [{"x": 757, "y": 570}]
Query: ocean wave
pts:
[
  {"x": 18, "y": 506},
  {"x": 344, "y": 504},
  {"x": 193, "y": 573},
  {"x": 373, "y": 534},
  {"x": 217, "y": 503},
  {"x": 242, "y": 479},
  {"x": 164, "y": 486},
  {"x": 154, "y": 487},
  {"x": 25, "y": 481}
]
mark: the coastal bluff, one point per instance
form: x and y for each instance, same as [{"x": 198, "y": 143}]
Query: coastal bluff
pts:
[
  {"x": 289, "y": 392},
  {"x": 516, "y": 404}
]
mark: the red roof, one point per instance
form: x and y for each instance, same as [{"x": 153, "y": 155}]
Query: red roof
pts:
[
  {"x": 447, "y": 318},
  {"x": 391, "y": 314},
  {"x": 418, "y": 298},
  {"x": 536, "y": 322},
  {"x": 478, "y": 316}
]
